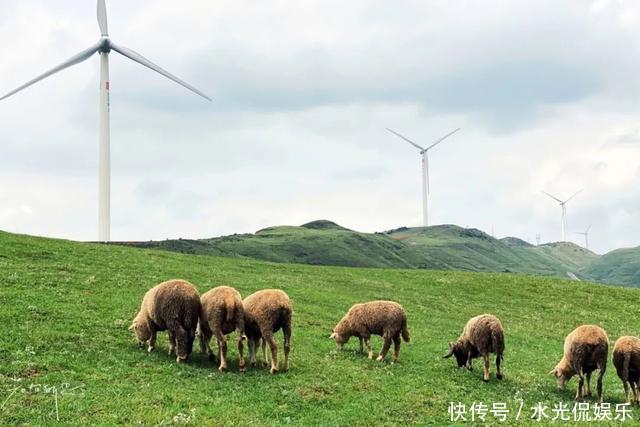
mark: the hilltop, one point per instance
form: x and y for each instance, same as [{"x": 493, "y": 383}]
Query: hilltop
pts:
[
  {"x": 67, "y": 305},
  {"x": 444, "y": 247}
]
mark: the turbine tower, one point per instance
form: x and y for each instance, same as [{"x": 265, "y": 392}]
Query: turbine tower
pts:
[
  {"x": 104, "y": 47},
  {"x": 563, "y": 205},
  {"x": 585, "y": 233},
  {"x": 424, "y": 153}
]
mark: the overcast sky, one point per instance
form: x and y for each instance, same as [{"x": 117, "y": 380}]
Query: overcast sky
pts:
[{"x": 546, "y": 94}]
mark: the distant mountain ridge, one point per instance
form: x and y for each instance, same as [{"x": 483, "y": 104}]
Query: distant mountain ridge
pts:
[{"x": 446, "y": 247}]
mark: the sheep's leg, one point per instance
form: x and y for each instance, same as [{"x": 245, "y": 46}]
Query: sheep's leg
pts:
[
  {"x": 361, "y": 344},
  {"x": 580, "y": 385},
  {"x": 274, "y": 351},
  {"x": 241, "y": 352},
  {"x": 469, "y": 362},
  {"x": 222, "y": 350},
  {"x": 396, "y": 348},
  {"x": 152, "y": 341},
  {"x": 385, "y": 349},
  {"x": 636, "y": 392},
  {"x": 498, "y": 371},
  {"x": 485, "y": 358},
  {"x": 601, "y": 370},
  {"x": 587, "y": 391},
  {"x": 172, "y": 343},
  {"x": 367, "y": 341},
  {"x": 252, "y": 351},
  {"x": 625, "y": 384},
  {"x": 287, "y": 345},
  {"x": 265, "y": 362}
]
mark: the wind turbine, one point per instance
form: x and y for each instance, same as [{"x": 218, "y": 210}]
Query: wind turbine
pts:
[
  {"x": 585, "y": 233},
  {"x": 104, "y": 47},
  {"x": 425, "y": 170},
  {"x": 564, "y": 211}
]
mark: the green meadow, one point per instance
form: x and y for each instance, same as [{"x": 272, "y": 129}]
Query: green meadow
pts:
[{"x": 67, "y": 357}]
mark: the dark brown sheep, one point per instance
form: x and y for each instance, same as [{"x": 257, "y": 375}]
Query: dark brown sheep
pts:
[
  {"x": 384, "y": 318},
  {"x": 481, "y": 335},
  {"x": 626, "y": 359},
  {"x": 266, "y": 312},
  {"x": 221, "y": 313},
  {"x": 586, "y": 349},
  {"x": 173, "y": 306}
]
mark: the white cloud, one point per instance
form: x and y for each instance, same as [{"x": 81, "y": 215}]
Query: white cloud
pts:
[{"x": 546, "y": 93}]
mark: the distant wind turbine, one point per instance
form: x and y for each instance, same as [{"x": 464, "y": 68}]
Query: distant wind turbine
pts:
[
  {"x": 585, "y": 233},
  {"x": 564, "y": 211},
  {"x": 104, "y": 46},
  {"x": 425, "y": 170}
]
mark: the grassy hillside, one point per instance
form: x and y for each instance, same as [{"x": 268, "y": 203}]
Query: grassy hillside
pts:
[
  {"x": 438, "y": 247},
  {"x": 66, "y": 307},
  {"x": 619, "y": 266}
]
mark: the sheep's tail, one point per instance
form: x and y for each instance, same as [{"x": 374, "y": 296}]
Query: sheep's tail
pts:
[
  {"x": 230, "y": 303},
  {"x": 497, "y": 338},
  {"x": 625, "y": 366},
  {"x": 405, "y": 331}
]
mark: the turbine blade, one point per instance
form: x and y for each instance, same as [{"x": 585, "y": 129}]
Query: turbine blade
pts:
[
  {"x": 102, "y": 18},
  {"x": 553, "y": 197},
  {"x": 144, "y": 61},
  {"x": 574, "y": 195},
  {"x": 76, "y": 59},
  {"x": 406, "y": 139},
  {"x": 442, "y": 139}
]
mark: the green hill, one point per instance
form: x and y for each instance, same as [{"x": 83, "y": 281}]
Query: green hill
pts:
[
  {"x": 621, "y": 266},
  {"x": 447, "y": 247},
  {"x": 65, "y": 350}
]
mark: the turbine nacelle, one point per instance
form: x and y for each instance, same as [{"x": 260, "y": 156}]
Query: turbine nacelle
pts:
[{"x": 104, "y": 45}]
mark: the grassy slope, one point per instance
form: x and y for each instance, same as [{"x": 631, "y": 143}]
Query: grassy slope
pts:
[
  {"x": 470, "y": 249},
  {"x": 619, "y": 266},
  {"x": 66, "y": 307},
  {"x": 439, "y": 247}
]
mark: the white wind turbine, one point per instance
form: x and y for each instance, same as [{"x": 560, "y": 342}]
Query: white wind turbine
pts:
[
  {"x": 425, "y": 171},
  {"x": 104, "y": 47},
  {"x": 564, "y": 211},
  {"x": 585, "y": 233}
]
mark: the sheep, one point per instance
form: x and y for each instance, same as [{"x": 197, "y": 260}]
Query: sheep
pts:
[
  {"x": 481, "y": 335},
  {"x": 626, "y": 359},
  {"x": 221, "y": 313},
  {"x": 266, "y": 312},
  {"x": 173, "y": 306},
  {"x": 385, "y": 318},
  {"x": 586, "y": 349}
]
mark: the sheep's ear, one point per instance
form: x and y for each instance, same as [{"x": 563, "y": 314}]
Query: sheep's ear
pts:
[
  {"x": 450, "y": 353},
  {"x": 132, "y": 327},
  {"x": 332, "y": 336}
]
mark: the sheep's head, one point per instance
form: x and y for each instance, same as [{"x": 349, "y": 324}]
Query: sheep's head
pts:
[
  {"x": 142, "y": 331},
  {"x": 340, "y": 339},
  {"x": 460, "y": 352},
  {"x": 562, "y": 374}
]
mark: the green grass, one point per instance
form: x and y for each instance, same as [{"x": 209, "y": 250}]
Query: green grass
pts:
[
  {"x": 619, "y": 266},
  {"x": 66, "y": 307}
]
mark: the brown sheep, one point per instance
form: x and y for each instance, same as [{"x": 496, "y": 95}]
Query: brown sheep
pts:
[
  {"x": 626, "y": 359},
  {"x": 384, "y": 318},
  {"x": 481, "y": 335},
  {"x": 266, "y": 312},
  {"x": 221, "y": 313},
  {"x": 586, "y": 349},
  {"x": 173, "y": 306}
]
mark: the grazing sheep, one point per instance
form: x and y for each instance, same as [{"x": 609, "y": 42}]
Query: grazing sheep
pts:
[
  {"x": 626, "y": 359},
  {"x": 221, "y": 313},
  {"x": 481, "y": 335},
  {"x": 586, "y": 349},
  {"x": 266, "y": 312},
  {"x": 384, "y": 318},
  {"x": 173, "y": 306}
]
